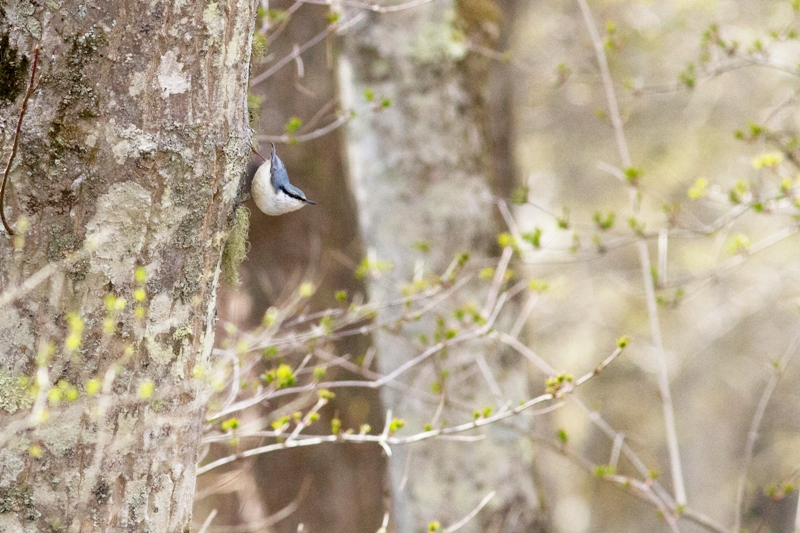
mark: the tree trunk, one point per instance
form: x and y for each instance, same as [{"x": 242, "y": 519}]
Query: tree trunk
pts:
[
  {"x": 426, "y": 179},
  {"x": 128, "y": 165}
]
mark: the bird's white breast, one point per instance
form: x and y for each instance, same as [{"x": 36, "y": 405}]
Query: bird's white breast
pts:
[{"x": 265, "y": 197}]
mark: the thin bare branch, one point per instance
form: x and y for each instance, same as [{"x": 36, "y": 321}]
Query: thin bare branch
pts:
[
  {"x": 593, "y": 416},
  {"x": 685, "y": 513},
  {"x": 31, "y": 86},
  {"x": 641, "y": 487},
  {"x": 486, "y": 371},
  {"x": 704, "y": 521},
  {"x": 48, "y": 271},
  {"x": 340, "y": 25},
  {"x": 375, "y": 8},
  {"x": 599, "y": 368},
  {"x": 472, "y": 514},
  {"x": 608, "y": 84},
  {"x": 385, "y": 439},
  {"x": 208, "y": 521},
  {"x": 752, "y": 435},
  {"x": 287, "y": 16},
  {"x": 644, "y": 261},
  {"x": 662, "y": 374},
  {"x": 265, "y": 523},
  {"x": 497, "y": 282},
  {"x": 315, "y": 134}
]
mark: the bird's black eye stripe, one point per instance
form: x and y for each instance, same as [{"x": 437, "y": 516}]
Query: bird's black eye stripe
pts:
[{"x": 293, "y": 195}]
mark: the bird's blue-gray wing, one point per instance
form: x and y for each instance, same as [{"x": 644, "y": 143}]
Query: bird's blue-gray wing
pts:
[{"x": 278, "y": 175}]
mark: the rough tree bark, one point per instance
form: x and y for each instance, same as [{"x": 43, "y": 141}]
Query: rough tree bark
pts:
[{"x": 129, "y": 158}]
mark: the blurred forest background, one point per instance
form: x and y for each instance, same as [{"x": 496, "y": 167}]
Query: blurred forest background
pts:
[{"x": 487, "y": 127}]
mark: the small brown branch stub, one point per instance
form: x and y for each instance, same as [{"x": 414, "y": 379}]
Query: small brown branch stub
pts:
[{"x": 31, "y": 87}]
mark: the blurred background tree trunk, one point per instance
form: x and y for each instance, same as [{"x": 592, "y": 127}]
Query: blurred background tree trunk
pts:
[
  {"x": 427, "y": 171},
  {"x": 337, "y": 488},
  {"x": 129, "y": 158}
]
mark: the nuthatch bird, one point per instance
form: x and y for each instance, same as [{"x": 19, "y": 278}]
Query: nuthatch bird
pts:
[{"x": 271, "y": 190}]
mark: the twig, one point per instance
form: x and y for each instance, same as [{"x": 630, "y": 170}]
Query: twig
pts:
[
  {"x": 375, "y": 8},
  {"x": 312, "y": 122},
  {"x": 265, "y": 523},
  {"x": 472, "y": 514},
  {"x": 299, "y": 60},
  {"x": 236, "y": 382},
  {"x": 707, "y": 74},
  {"x": 524, "y": 314},
  {"x": 353, "y": 383},
  {"x": 599, "y": 368},
  {"x": 436, "y": 295},
  {"x": 646, "y": 495},
  {"x": 307, "y": 419},
  {"x": 645, "y": 490},
  {"x": 14, "y": 146},
  {"x": 222, "y": 483},
  {"x": 618, "y": 442},
  {"x": 406, "y": 471},
  {"x": 368, "y": 358},
  {"x": 486, "y": 371},
  {"x": 611, "y": 433},
  {"x": 385, "y": 433},
  {"x": 508, "y": 218},
  {"x": 662, "y": 374},
  {"x": 608, "y": 85},
  {"x": 385, "y": 439},
  {"x": 759, "y": 246},
  {"x": 282, "y": 24},
  {"x": 702, "y": 520},
  {"x": 752, "y": 435},
  {"x": 497, "y": 282},
  {"x": 207, "y": 521},
  {"x": 44, "y": 273},
  {"x": 721, "y": 269},
  {"x": 797, "y": 514},
  {"x": 523, "y": 350},
  {"x": 339, "y": 25},
  {"x": 324, "y": 130},
  {"x": 644, "y": 260},
  {"x": 385, "y": 523},
  {"x": 343, "y": 118},
  {"x": 594, "y": 416},
  {"x": 663, "y": 242}
]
